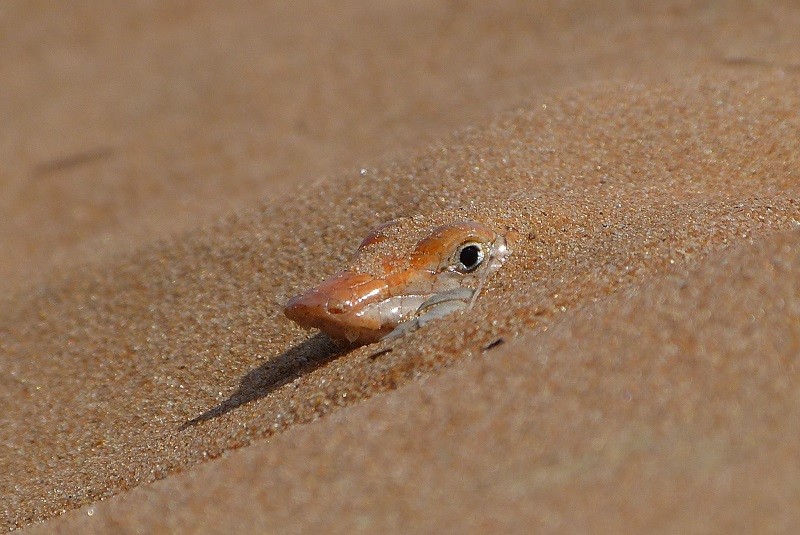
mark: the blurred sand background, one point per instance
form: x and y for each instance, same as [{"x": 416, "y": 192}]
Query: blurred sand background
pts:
[{"x": 172, "y": 173}]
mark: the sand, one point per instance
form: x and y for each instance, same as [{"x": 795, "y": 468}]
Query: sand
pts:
[{"x": 175, "y": 174}]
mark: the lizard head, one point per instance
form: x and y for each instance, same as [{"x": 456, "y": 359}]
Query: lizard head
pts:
[{"x": 391, "y": 281}]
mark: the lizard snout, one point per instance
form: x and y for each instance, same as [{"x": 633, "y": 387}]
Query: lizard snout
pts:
[{"x": 336, "y": 305}]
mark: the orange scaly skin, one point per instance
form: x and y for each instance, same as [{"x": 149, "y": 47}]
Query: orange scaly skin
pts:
[{"x": 443, "y": 272}]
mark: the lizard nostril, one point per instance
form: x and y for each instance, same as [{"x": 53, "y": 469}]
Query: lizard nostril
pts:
[{"x": 337, "y": 308}]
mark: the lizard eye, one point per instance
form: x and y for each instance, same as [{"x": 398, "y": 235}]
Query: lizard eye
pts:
[{"x": 470, "y": 256}]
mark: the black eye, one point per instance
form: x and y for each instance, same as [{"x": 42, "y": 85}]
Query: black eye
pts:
[{"x": 470, "y": 257}]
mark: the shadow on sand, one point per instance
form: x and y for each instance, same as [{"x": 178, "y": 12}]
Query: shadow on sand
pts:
[{"x": 276, "y": 372}]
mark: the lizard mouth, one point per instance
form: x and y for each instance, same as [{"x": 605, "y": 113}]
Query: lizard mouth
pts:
[
  {"x": 360, "y": 309},
  {"x": 353, "y": 307}
]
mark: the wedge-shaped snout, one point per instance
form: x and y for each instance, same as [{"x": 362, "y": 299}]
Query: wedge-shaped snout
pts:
[{"x": 340, "y": 307}]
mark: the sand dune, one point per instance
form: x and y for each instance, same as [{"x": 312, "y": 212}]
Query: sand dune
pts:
[
  {"x": 671, "y": 408},
  {"x": 632, "y": 366}
]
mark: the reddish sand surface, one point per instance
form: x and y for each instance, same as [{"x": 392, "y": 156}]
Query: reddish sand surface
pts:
[{"x": 175, "y": 172}]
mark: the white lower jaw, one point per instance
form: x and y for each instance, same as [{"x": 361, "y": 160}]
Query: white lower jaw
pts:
[{"x": 431, "y": 307}]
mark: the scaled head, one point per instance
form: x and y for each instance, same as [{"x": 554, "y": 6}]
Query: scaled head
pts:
[{"x": 391, "y": 276}]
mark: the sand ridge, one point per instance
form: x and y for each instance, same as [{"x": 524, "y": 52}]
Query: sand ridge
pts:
[{"x": 675, "y": 403}]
